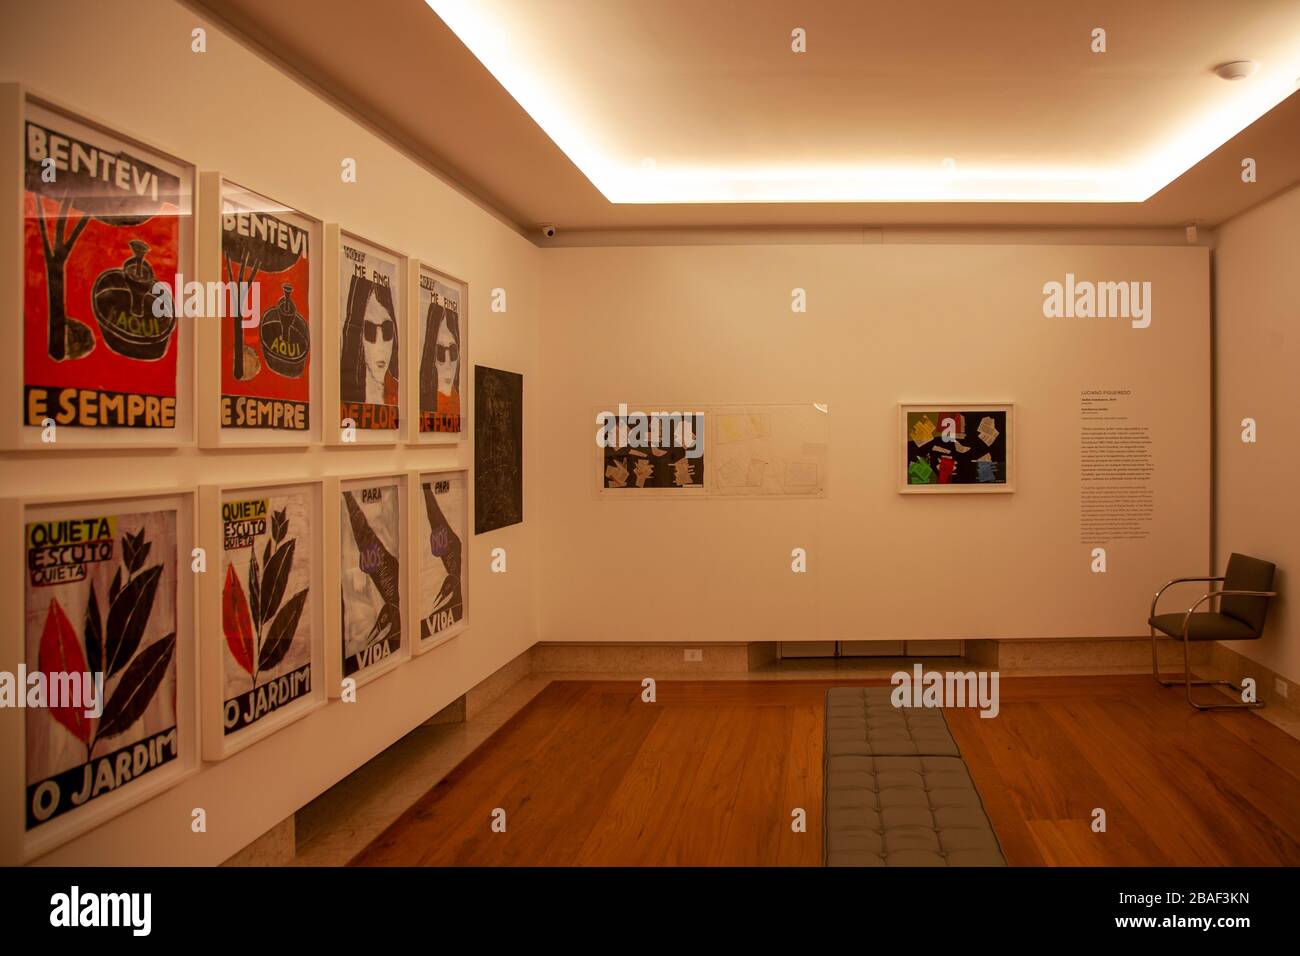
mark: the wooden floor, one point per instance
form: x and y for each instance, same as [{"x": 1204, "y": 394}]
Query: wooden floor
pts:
[{"x": 709, "y": 775}]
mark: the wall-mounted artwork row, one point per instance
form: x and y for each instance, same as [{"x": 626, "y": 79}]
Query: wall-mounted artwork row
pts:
[
  {"x": 107, "y": 624},
  {"x": 139, "y": 330},
  {"x": 956, "y": 448},
  {"x": 498, "y": 449},
  {"x": 106, "y": 227}
]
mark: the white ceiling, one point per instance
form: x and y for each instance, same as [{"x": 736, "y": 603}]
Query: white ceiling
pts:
[
  {"x": 619, "y": 103},
  {"x": 683, "y": 101}
]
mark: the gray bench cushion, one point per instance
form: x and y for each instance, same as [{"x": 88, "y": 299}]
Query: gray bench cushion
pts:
[
  {"x": 863, "y": 721},
  {"x": 897, "y": 791},
  {"x": 906, "y": 811}
]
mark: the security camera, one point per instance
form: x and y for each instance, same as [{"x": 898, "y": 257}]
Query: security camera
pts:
[{"x": 548, "y": 231}]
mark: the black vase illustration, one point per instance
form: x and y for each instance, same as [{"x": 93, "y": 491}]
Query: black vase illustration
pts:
[
  {"x": 135, "y": 320},
  {"x": 286, "y": 340}
]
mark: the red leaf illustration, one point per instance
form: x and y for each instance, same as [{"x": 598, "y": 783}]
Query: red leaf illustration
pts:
[
  {"x": 61, "y": 652},
  {"x": 235, "y": 620}
]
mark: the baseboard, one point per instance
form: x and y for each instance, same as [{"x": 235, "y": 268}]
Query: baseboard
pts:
[
  {"x": 649, "y": 659},
  {"x": 1226, "y": 664}
]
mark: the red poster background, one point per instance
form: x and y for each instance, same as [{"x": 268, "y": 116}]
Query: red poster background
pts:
[
  {"x": 267, "y": 383},
  {"x": 101, "y": 246}
]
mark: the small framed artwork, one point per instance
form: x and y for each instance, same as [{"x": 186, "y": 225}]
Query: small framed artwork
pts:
[
  {"x": 102, "y": 618},
  {"x": 956, "y": 448},
  {"x": 440, "y": 333},
  {"x": 440, "y": 519},
  {"x": 259, "y": 378},
  {"x": 370, "y": 519},
  {"x": 262, "y": 610},
  {"x": 646, "y": 451},
  {"x": 364, "y": 335},
  {"x": 89, "y": 259},
  {"x": 498, "y": 449}
]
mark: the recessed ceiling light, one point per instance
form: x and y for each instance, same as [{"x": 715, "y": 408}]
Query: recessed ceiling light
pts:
[
  {"x": 1236, "y": 70},
  {"x": 534, "y": 75}
]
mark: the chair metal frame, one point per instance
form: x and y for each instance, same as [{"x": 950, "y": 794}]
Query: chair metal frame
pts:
[{"x": 1188, "y": 680}]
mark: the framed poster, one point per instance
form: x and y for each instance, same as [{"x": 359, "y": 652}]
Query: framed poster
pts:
[
  {"x": 102, "y": 635},
  {"x": 366, "y": 335},
  {"x": 648, "y": 451},
  {"x": 953, "y": 448},
  {"x": 439, "y": 329},
  {"x": 263, "y": 629},
  {"x": 265, "y": 330},
  {"x": 498, "y": 448},
  {"x": 105, "y": 227},
  {"x": 372, "y": 576},
  {"x": 441, "y": 537}
]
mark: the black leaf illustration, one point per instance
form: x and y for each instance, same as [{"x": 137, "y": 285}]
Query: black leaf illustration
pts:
[
  {"x": 94, "y": 634},
  {"x": 115, "y": 586},
  {"x": 136, "y": 688},
  {"x": 141, "y": 552},
  {"x": 279, "y": 525},
  {"x": 280, "y": 637},
  {"x": 275, "y": 577},
  {"x": 266, "y": 552},
  {"x": 128, "y": 551},
  {"x": 254, "y": 590},
  {"x": 127, "y": 615}
]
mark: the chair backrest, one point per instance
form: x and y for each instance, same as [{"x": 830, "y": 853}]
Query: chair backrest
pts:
[{"x": 1247, "y": 574}]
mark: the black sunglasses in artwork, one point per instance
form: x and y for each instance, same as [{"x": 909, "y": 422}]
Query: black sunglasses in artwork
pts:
[
  {"x": 374, "y": 329},
  {"x": 446, "y": 353}
]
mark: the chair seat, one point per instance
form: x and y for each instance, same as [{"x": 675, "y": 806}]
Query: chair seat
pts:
[{"x": 1204, "y": 626}]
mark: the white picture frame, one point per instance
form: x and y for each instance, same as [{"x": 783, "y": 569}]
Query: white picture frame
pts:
[
  {"x": 420, "y": 526},
  {"x": 348, "y": 255},
  {"x": 345, "y": 577},
  {"x": 20, "y": 840},
  {"x": 426, "y": 285},
  {"x": 969, "y": 437},
  {"x": 221, "y": 415},
  {"x": 77, "y": 136},
  {"x": 215, "y": 653}
]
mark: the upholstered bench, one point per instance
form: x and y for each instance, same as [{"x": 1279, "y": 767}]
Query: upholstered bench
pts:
[{"x": 897, "y": 792}]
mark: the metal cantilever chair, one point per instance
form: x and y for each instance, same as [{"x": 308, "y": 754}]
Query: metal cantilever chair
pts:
[{"x": 1243, "y": 605}]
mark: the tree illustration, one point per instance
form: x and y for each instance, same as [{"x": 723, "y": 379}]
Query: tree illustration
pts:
[
  {"x": 251, "y": 255},
  {"x": 69, "y": 337}
]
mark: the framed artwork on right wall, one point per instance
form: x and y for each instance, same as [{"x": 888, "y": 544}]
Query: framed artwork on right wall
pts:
[{"x": 948, "y": 447}]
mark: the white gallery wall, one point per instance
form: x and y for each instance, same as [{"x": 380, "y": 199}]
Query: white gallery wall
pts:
[
  {"x": 662, "y": 328},
  {"x": 129, "y": 65},
  {"x": 1257, "y": 351}
]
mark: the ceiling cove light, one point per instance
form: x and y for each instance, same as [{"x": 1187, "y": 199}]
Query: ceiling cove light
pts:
[{"x": 527, "y": 71}]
